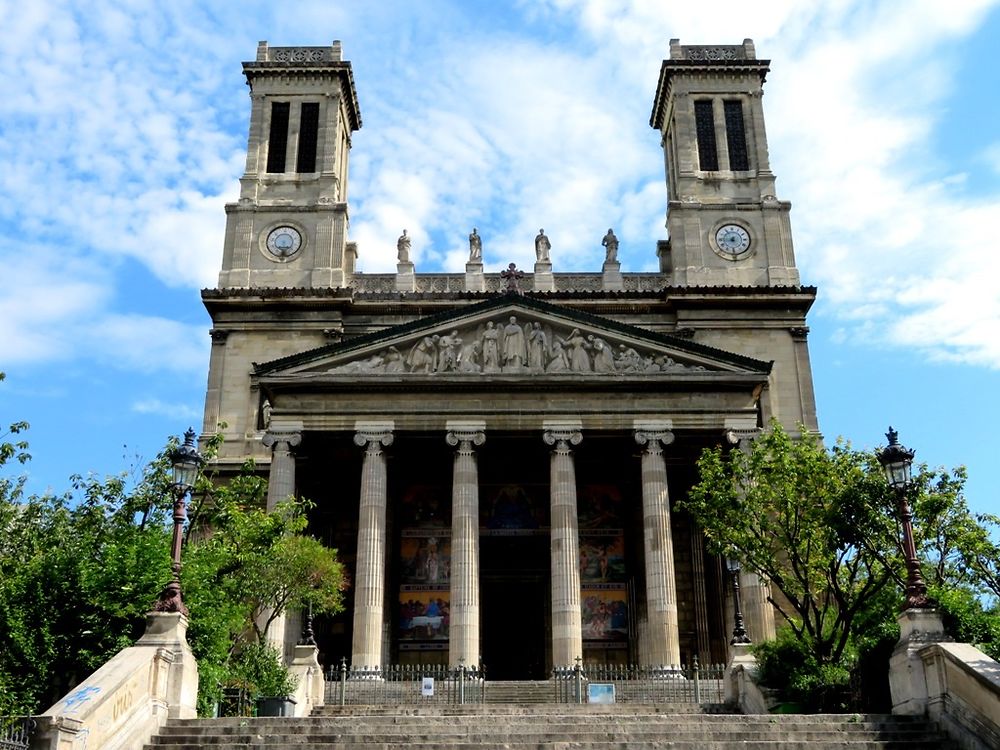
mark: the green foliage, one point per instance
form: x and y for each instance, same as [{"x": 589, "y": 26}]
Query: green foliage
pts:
[
  {"x": 823, "y": 526},
  {"x": 245, "y": 567},
  {"x": 79, "y": 571},
  {"x": 802, "y": 517},
  {"x": 258, "y": 668}
]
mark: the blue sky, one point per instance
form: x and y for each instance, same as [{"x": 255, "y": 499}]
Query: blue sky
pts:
[{"x": 123, "y": 133}]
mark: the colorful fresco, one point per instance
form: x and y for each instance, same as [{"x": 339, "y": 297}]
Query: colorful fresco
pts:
[
  {"x": 425, "y": 558},
  {"x": 604, "y": 614},
  {"x": 602, "y": 556},
  {"x": 600, "y": 507},
  {"x": 424, "y": 615}
]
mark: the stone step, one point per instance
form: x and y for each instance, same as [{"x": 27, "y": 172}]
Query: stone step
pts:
[{"x": 551, "y": 727}]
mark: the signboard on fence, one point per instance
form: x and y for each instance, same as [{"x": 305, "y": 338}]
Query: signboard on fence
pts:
[
  {"x": 427, "y": 687},
  {"x": 600, "y": 692}
]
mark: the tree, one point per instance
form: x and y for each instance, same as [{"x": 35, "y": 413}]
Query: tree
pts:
[
  {"x": 803, "y": 518},
  {"x": 79, "y": 571}
]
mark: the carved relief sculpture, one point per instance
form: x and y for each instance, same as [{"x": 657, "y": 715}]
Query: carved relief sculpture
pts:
[{"x": 510, "y": 347}]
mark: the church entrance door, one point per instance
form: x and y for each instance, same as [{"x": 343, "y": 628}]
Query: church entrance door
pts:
[{"x": 514, "y": 602}]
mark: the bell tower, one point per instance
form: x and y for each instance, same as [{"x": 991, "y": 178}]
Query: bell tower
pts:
[
  {"x": 725, "y": 225},
  {"x": 289, "y": 227}
]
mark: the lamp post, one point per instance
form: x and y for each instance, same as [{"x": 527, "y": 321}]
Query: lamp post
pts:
[
  {"x": 896, "y": 462},
  {"x": 740, "y": 635},
  {"x": 186, "y": 463}
]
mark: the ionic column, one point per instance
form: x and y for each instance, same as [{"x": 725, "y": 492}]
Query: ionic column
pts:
[
  {"x": 661, "y": 589},
  {"x": 464, "y": 629},
  {"x": 369, "y": 574},
  {"x": 758, "y": 612},
  {"x": 280, "y": 486},
  {"x": 567, "y": 636},
  {"x": 281, "y": 478}
]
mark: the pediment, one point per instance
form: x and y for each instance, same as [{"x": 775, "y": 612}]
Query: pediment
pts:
[{"x": 516, "y": 337}]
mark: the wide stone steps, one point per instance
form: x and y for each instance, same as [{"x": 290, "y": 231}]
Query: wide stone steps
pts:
[
  {"x": 551, "y": 727},
  {"x": 521, "y": 692}
]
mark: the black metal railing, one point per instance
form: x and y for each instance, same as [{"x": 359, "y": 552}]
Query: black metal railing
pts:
[
  {"x": 398, "y": 684},
  {"x": 15, "y": 732},
  {"x": 639, "y": 684}
]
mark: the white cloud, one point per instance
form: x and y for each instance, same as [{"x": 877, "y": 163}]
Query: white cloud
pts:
[{"x": 160, "y": 408}]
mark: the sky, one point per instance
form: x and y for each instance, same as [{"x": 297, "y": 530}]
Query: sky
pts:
[{"x": 123, "y": 131}]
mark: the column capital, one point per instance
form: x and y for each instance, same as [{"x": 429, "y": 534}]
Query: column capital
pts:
[
  {"x": 562, "y": 433},
  {"x": 274, "y": 439},
  {"x": 465, "y": 434},
  {"x": 653, "y": 433},
  {"x": 373, "y": 435},
  {"x": 741, "y": 432}
]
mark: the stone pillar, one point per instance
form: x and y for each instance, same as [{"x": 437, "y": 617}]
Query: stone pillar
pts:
[
  {"x": 464, "y": 630},
  {"x": 280, "y": 486},
  {"x": 611, "y": 276},
  {"x": 661, "y": 589},
  {"x": 567, "y": 636},
  {"x": 758, "y": 612},
  {"x": 281, "y": 478},
  {"x": 369, "y": 574},
  {"x": 475, "y": 280},
  {"x": 406, "y": 281}
]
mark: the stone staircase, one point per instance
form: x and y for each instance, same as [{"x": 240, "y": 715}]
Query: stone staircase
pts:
[
  {"x": 522, "y": 692},
  {"x": 552, "y": 727}
]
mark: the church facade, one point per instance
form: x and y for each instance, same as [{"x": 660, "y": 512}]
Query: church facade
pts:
[{"x": 496, "y": 456}]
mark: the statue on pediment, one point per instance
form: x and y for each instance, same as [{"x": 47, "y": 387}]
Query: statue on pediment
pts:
[
  {"x": 610, "y": 242},
  {"x": 558, "y": 362},
  {"x": 468, "y": 357},
  {"x": 542, "y": 247},
  {"x": 604, "y": 359},
  {"x": 475, "y": 246},
  {"x": 403, "y": 248},
  {"x": 394, "y": 360},
  {"x": 448, "y": 349}
]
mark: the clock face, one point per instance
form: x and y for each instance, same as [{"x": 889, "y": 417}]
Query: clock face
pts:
[
  {"x": 284, "y": 242},
  {"x": 732, "y": 239}
]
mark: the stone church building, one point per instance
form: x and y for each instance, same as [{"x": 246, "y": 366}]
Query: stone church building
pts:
[{"x": 496, "y": 456}]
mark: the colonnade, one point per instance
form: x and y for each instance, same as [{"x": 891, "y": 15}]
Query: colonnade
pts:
[{"x": 662, "y": 646}]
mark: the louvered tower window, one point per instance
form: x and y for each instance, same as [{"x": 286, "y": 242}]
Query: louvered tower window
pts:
[
  {"x": 736, "y": 138},
  {"x": 278, "y": 139},
  {"x": 704, "y": 121},
  {"x": 308, "y": 132}
]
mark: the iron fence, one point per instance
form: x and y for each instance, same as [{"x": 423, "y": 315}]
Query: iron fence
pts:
[
  {"x": 15, "y": 732},
  {"x": 431, "y": 684},
  {"x": 641, "y": 684}
]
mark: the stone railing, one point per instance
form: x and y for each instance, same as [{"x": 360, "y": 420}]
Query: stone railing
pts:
[
  {"x": 963, "y": 693},
  {"x": 127, "y": 700},
  {"x": 385, "y": 283}
]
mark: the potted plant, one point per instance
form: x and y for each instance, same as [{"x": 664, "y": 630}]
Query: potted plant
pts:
[{"x": 260, "y": 667}]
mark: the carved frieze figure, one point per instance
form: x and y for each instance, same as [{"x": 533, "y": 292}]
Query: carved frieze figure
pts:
[
  {"x": 542, "y": 247},
  {"x": 448, "y": 349},
  {"x": 515, "y": 350},
  {"x": 558, "y": 362},
  {"x": 468, "y": 357},
  {"x": 579, "y": 359},
  {"x": 491, "y": 348},
  {"x": 611, "y": 243},
  {"x": 394, "y": 360},
  {"x": 509, "y": 347},
  {"x": 403, "y": 248},
  {"x": 537, "y": 347},
  {"x": 604, "y": 360},
  {"x": 423, "y": 355},
  {"x": 475, "y": 246}
]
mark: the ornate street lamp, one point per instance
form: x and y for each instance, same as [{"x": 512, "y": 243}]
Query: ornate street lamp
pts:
[
  {"x": 187, "y": 462},
  {"x": 740, "y": 635},
  {"x": 896, "y": 462}
]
